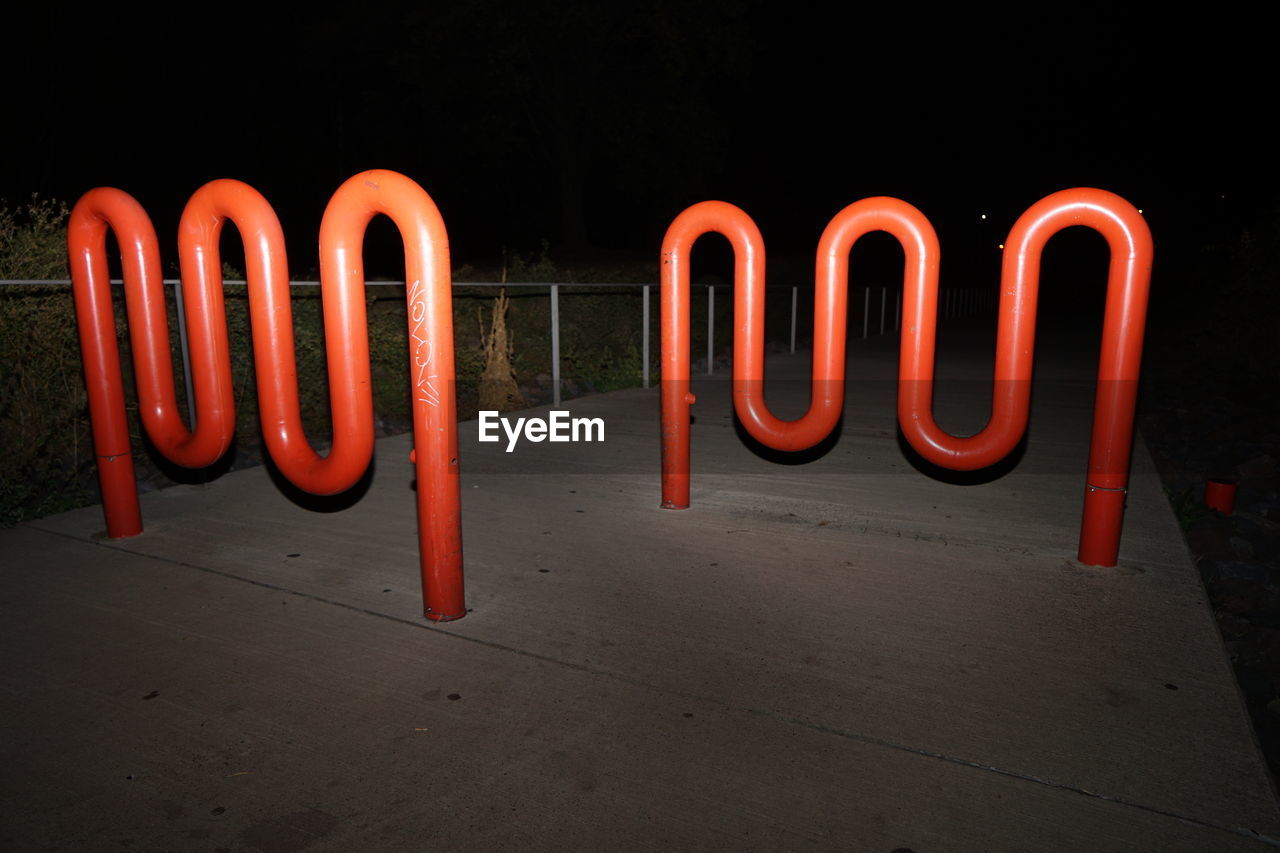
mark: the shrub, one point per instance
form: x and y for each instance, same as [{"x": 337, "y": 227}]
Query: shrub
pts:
[
  {"x": 33, "y": 240},
  {"x": 44, "y": 428}
]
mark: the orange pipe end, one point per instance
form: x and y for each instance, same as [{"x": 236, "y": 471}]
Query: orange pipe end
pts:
[
  {"x": 119, "y": 496},
  {"x": 1100, "y": 525},
  {"x": 1220, "y": 495}
]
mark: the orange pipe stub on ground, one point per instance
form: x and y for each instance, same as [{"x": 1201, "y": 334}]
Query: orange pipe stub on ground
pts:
[{"x": 1220, "y": 495}]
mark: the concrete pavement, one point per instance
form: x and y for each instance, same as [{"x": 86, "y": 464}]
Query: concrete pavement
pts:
[{"x": 844, "y": 654}]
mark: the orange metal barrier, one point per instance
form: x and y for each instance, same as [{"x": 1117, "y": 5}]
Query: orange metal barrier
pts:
[
  {"x": 342, "y": 230},
  {"x": 1118, "y": 221}
]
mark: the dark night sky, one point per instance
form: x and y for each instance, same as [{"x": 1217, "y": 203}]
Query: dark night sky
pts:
[{"x": 493, "y": 107}]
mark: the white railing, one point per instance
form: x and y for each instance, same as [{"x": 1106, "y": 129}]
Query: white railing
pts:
[{"x": 955, "y": 304}]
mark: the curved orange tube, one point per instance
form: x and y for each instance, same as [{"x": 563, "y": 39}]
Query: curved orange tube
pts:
[
  {"x": 1131, "y": 254},
  {"x": 748, "y": 345},
  {"x": 1123, "y": 328},
  {"x": 341, "y": 237}
]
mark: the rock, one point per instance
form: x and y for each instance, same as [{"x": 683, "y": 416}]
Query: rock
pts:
[
  {"x": 246, "y": 457},
  {"x": 1211, "y": 541},
  {"x": 1254, "y": 684},
  {"x": 1258, "y": 468},
  {"x": 1236, "y": 604},
  {"x": 1242, "y": 547},
  {"x": 1241, "y": 570}
]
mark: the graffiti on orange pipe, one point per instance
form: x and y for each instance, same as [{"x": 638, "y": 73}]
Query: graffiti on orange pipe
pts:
[{"x": 1130, "y": 245}]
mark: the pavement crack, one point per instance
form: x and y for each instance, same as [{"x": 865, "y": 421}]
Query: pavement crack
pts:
[{"x": 1024, "y": 777}]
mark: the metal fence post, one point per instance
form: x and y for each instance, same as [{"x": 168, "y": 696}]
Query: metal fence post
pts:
[
  {"x": 795, "y": 293},
  {"x": 884, "y": 295},
  {"x": 186, "y": 354},
  {"x": 646, "y": 335},
  {"x": 555, "y": 344},
  {"x": 866, "y": 310},
  {"x": 711, "y": 327}
]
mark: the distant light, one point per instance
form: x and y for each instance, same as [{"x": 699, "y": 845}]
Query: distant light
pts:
[
  {"x": 1002, "y": 245},
  {"x": 984, "y": 216},
  {"x": 1139, "y": 210}
]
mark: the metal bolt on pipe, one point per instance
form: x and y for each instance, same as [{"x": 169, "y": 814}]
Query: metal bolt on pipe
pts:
[
  {"x": 356, "y": 202},
  {"x": 1124, "y": 323}
]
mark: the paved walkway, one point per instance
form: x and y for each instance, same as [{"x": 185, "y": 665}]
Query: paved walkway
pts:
[{"x": 838, "y": 655}]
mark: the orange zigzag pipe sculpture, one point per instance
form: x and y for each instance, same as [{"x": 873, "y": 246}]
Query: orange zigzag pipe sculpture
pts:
[
  {"x": 1118, "y": 221},
  {"x": 346, "y": 335}
]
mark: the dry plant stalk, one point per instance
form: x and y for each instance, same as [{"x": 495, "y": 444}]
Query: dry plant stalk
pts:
[{"x": 499, "y": 390}]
